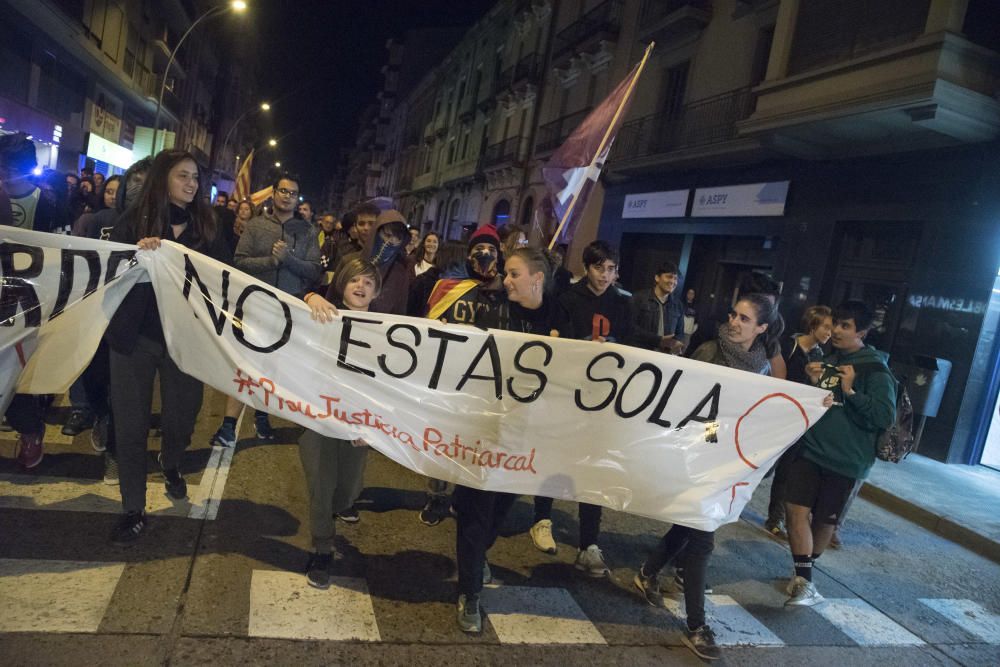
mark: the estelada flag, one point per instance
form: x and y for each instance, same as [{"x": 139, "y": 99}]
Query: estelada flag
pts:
[
  {"x": 574, "y": 168},
  {"x": 242, "y": 190},
  {"x": 445, "y": 293}
]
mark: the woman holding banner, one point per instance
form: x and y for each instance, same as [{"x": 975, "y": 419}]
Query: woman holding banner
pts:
[
  {"x": 480, "y": 513},
  {"x": 167, "y": 208},
  {"x": 335, "y": 468},
  {"x": 742, "y": 344}
]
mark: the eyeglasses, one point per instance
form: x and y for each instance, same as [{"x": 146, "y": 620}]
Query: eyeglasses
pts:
[{"x": 285, "y": 192}]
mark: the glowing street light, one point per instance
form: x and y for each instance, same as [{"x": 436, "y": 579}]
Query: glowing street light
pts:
[
  {"x": 278, "y": 165},
  {"x": 264, "y": 106},
  {"x": 237, "y": 6},
  {"x": 272, "y": 143}
]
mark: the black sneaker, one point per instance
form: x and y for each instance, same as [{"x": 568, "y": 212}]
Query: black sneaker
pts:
[
  {"x": 701, "y": 641},
  {"x": 78, "y": 422},
  {"x": 174, "y": 482},
  {"x": 350, "y": 515},
  {"x": 318, "y": 570},
  {"x": 264, "y": 429},
  {"x": 435, "y": 510},
  {"x": 129, "y": 528}
]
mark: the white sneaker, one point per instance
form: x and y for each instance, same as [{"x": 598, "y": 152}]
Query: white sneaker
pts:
[
  {"x": 803, "y": 594},
  {"x": 541, "y": 536},
  {"x": 591, "y": 562}
]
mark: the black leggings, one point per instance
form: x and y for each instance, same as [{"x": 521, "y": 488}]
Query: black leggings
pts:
[
  {"x": 694, "y": 548},
  {"x": 480, "y": 515}
]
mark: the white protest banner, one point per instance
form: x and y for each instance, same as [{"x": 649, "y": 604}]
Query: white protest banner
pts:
[
  {"x": 57, "y": 297},
  {"x": 630, "y": 429}
]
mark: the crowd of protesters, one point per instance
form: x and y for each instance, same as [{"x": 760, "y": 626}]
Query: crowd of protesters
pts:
[{"x": 372, "y": 259}]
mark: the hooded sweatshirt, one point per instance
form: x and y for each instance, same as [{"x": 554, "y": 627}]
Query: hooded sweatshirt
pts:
[
  {"x": 396, "y": 274},
  {"x": 844, "y": 439},
  {"x": 582, "y": 314}
]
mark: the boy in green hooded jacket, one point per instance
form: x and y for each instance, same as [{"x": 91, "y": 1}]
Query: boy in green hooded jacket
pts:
[{"x": 839, "y": 449}]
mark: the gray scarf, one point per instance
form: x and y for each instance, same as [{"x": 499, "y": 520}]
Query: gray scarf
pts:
[{"x": 753, "y": 360}]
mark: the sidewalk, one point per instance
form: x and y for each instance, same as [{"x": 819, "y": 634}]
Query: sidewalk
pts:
[{"x": 960, "y": 503}]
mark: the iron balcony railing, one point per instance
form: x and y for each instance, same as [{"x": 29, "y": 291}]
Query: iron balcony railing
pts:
[
  {"x": 552, "y": 134},
  {"x": 502, "y": 152},
  {"x": 701, "y": 123},
  {"x": 605, "y": 18},
  {"x": 527, "y": 69}
]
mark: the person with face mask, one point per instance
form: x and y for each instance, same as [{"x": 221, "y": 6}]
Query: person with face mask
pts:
[{"x": 464, "y": 299}]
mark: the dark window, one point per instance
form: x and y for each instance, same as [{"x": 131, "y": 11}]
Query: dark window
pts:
[
  {"x": 15, "y": 64},
  {"x": 832, "y": 31},
  {"x": 674, "y": 88}
]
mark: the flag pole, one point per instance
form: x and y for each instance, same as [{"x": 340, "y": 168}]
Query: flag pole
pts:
[{"x": 604, "y": 140}]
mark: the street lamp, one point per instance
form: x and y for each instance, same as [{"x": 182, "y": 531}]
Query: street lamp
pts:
[
  {"x": 264, "y": 106},
  {"x": 278, "y": 165},
  {"x": 272, "y": 142},
  {"x": 236, "y": 6}
]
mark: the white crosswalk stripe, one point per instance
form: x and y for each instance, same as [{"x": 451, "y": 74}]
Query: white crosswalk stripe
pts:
[
  {"x": 733, "y": 625},
  {"x": 532, "y": 615},
  {"x": 969, "y": 616},
  {"x": 865, "y": 624},
  {"x": 55, "y": 595},
  {"x": 283, "y": 605}
]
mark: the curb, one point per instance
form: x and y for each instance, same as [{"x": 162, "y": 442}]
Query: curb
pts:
[{"x": 940, "y": 525}]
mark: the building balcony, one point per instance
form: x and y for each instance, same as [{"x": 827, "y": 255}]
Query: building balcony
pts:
[
  {"x": 603, "y": 22},
  {"x": 527, "y": 70},
  {"x": 423, "y": 181},
  {"x": 934, "y": 90},
  {"x": 551, "y": 135},
  {"x": 682, "y": 133},
  {"x": 500, "y": 154},
  {"x": 665, "y": 21},
  {"x": 161, "y": 44}
]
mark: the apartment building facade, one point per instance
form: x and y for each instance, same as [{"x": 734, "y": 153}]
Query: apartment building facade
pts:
[
  {"x": 82, "y": 77},
  {"x": 847, "y": 148}
]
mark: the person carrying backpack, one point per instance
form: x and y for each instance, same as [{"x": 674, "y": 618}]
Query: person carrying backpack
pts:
[{"x": 839, "y": 449}]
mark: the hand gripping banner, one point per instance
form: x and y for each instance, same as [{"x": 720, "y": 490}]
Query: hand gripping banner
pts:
[{"x": 634, "y": 430}]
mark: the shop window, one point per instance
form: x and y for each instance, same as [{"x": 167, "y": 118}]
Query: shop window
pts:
[{"x": 501, "y": 213}]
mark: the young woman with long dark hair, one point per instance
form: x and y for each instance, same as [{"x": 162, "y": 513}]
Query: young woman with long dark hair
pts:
[
  {"x": 742, "y": 344},
  {"x": 168, "y": 208}
]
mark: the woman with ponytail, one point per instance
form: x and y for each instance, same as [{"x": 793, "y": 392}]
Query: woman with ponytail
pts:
[
  {"x": 742, "y": 344},
  {"x": 529, "y": 309}
]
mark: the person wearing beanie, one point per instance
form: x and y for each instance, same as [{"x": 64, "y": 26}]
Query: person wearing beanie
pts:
[{"x": 464, "y": 297}]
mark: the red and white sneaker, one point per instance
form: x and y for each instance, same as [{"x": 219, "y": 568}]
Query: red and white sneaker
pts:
[{"x": 29, "y": 449}]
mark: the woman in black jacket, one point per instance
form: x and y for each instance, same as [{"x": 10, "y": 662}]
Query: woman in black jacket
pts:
[
  {"x": 528, "y": 309},
  {"x": 168, "y": 208}
]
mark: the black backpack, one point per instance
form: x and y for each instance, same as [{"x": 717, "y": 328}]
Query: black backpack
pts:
[{"x": 896, "y": 442}]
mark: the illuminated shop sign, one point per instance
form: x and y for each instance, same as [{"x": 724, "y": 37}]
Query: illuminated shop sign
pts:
[
  {"x": 756, "y": 199},
  {"x": 107, "y": 151},
  {"x": 670, "y": 204},
  {"x": 947, "y": 303}
]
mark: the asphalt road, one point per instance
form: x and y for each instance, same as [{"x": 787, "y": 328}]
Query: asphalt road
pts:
[{"x": 219, "y": 579}]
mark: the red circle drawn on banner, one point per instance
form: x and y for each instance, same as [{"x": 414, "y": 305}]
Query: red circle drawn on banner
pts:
[{"x": 753, "y": 407}]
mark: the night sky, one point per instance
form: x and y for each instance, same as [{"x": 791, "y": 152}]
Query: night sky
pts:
[{"x": 320, "y": 62}]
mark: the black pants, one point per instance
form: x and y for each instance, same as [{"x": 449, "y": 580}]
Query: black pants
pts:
[
  {"x": 97, "y": 384},
  {"x": 26, "y": 414},
  {"x": 132, "y": 377},
  {"x": 590, "y": 519},
  {"x": 694, "y": 548},
  {"x": 480, "y": 515}
]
